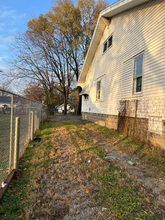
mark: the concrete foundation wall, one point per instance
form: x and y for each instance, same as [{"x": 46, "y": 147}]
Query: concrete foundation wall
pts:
[{"x": 137, "y": 128}]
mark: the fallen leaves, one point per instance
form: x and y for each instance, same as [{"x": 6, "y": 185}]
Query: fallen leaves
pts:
[
  {"x": 161, "y": 207},
  {"x": 69, "y": 189},
  {"x": 68, "y": 201},
  {"x": 147, "y": 200},
  {"x": 44, "y": 214},
  {"x": 113, "y": 215}
]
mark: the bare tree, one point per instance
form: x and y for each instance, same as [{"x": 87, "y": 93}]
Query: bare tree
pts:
[
  {"x": 4, "y": 86},
  {"x": 34, "y": 58},
  {"x": 53, "y": 48}
]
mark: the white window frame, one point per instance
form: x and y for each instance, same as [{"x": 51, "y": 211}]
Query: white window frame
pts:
[
  {"x": 106, "y": 43},
  {"x": 140, "y": 75}
]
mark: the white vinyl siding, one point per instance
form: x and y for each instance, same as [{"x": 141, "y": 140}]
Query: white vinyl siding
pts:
[
  {"x": 126, "y": 88},
  {"x": 139, "y": 29}
]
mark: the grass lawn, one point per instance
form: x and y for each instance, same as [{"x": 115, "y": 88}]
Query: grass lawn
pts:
[{"x": 106, "y": 186}]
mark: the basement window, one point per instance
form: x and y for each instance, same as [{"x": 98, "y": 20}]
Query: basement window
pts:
[
  {"x": 138, "y": 74},
  {"x": 107, "y": 44}
]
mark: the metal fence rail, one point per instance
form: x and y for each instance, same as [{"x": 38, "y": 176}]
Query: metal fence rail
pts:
[{"x": 29, "y": 113}]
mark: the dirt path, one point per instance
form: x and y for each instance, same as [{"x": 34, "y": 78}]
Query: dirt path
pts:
[
  {"x": 64, "y": 190},
  {"x": 60, "y": 118}
]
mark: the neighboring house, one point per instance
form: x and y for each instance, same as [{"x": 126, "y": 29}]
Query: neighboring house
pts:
[
  {"x": 60, "y": 108},
  {"x": 5, "y": 104},
  {"x": 123, "y": 75}
]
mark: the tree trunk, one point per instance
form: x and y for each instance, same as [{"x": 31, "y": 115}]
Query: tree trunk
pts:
[
  {"x": 79, "y": 102},
  {"x": 65, "y": 105}
]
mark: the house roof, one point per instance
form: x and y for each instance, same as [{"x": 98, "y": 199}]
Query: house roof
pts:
[
  {"x": 7, "y": 99},
  {"x": 102, "y": 22},
  {"x": 85, "y": 90}
]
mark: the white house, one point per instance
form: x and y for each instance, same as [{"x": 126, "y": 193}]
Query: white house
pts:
[
  {"x": 5, "y": 104},
  {"x": 60, "y": 108},
  {"x": 123, "y": 75}
]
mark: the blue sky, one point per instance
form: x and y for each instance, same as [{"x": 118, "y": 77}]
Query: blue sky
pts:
[{"x": 14, "y": 15}]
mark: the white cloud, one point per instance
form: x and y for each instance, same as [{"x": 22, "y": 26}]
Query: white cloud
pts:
[
  {"x": 11, "y": 17},
  {"x": 3, "y": 58},
  {"x": 6, "y": 40},
  {"x": 13, "y": 30},
  {"x": 3, "y": 68}
]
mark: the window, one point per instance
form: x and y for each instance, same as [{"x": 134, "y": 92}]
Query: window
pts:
[
  {"x": 86, "y": 96},
  {"x": 98, "y": 90},
  {"x": 138, "y": 72},
  {"x": 105, "y": 47},
  {"x": 110, "y": 42},
  {"x": 107, "y": 44}
]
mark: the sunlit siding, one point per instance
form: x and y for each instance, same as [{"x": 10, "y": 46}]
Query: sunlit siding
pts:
[{"x": 139, "y": 29}]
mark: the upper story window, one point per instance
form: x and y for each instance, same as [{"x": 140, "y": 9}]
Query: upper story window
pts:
[
  {"x": 107, "y": 44},
  {"x": 98, "y": 89},
  {"x": 138, "y": 74}
]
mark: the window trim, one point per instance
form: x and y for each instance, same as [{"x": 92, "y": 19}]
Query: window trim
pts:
[
  {"x": 134, "y": 81},
  {"x": 106, "y": 42}
]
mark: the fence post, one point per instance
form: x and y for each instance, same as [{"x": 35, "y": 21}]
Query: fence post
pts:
[
  {"x": 41, "y": 116},
  {"x": 16, "y": 146},
  {"x": 32, "y": 125},
  {"x": 29, "y": 122},
  {"x": 11, "y": 134},
  {"x": 38, "y": 120}
]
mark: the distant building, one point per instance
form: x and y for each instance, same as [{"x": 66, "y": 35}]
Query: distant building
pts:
[
  {"x": 5, "y": 104},
  {"x": 60, "y": 108}
]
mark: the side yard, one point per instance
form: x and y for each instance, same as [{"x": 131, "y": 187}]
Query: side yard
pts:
[{"x": 80, "y": 170}]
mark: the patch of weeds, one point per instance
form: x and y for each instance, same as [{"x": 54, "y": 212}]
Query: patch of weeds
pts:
[
  {"x": 122, "y": 200},
  {"x": 151, "y": 155},
  {"x": 46, "y": 125},
  {"x": 129, "y": 180},
  {"x": 46, "y": 131},
  {"x": 105, "y": 132},
  {"x": 104, "y": 179},
  {"x": 91, "y": 205}
]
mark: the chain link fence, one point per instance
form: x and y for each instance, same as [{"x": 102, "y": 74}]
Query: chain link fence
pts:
[{"x": 30, "y": 115}]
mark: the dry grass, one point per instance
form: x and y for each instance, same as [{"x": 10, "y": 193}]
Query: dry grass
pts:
[{"x": 65, "y": 176}]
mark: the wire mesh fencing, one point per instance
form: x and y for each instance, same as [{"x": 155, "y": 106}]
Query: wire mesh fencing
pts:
[{"x": 30, "y": 114}]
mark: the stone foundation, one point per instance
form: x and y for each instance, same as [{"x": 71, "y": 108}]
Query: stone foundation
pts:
[{"x": 137, "y": 128}]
